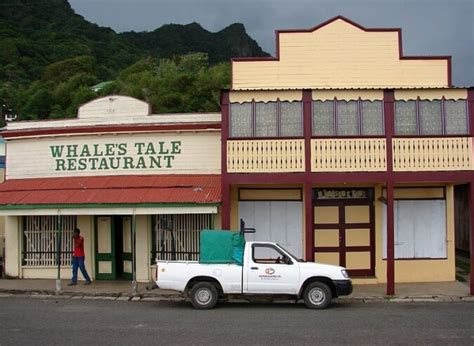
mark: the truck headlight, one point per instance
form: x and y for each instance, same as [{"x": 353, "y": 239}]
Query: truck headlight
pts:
[{"x": 344, "y": 273}]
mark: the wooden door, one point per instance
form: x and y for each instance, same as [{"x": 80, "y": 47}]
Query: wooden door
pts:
[
  {"x": 344, "y": 234},
  {"x": 105, "y": 249}
]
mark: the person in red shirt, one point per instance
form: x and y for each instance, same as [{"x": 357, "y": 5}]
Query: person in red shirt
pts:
[{"x": 78, "y": 257}]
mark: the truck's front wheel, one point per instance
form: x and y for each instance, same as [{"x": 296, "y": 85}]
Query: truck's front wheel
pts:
[
  {"x": 317, "y": 295},
  {"x": 203, "y": 295}
]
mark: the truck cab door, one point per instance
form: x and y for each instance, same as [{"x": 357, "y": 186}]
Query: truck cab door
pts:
[{"x": 270, "y": 270}]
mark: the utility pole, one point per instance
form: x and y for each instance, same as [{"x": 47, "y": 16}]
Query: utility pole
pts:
[
  {"x": 58, "y": 255},
  {"x": 134, "y": 258}
]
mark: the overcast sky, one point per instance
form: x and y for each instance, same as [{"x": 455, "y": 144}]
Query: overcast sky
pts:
[{"x": 429, "y": 27}]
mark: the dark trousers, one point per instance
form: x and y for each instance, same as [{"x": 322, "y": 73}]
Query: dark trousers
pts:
[{"x": 78, "y": 262}]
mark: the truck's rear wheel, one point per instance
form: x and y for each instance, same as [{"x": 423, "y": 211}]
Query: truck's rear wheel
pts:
[
  {"x": 203, "y": 295},
  {"x": 317, "y": 295}
]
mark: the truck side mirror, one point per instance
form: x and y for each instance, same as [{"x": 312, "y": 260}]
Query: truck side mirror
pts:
[{"x": 244, "y": 229}]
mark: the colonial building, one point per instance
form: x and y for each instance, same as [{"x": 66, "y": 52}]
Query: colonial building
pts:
[
  {"x": 137, "y": 185},
  {"x": 341, "y": 149},
  {"x": 346, "y": 151}
]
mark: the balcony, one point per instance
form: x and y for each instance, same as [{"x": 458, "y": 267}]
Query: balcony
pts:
[
  {"x": 350, "y": 155},
  {"x": 265, "y": 156},
  {"x": 432, "y": 154}
]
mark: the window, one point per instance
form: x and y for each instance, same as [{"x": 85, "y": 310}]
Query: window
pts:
[
  {"x": 405, "y": 118},
  {"x": 268, "y": 254},
  {"x": 277, "y": 221},
  {"x": 372, "y": 118},
  {"x": 241, "y": 120},
  {"x": 455, "y": 113},
  {"x": 420, "y": 229},
  {"x": 348, "y": 118},
  {"x": 323, "y": 118},
  {"x": 431, "y": 117},
  {"x": 266, "y": 119},
  {"x": 176, "y": 237},
  {"x": 40, "y": 240},
  {"x": 291, "y": 119}
]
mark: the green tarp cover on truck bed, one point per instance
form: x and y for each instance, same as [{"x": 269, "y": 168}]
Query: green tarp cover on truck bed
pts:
[{"x": 221, "y": 247}]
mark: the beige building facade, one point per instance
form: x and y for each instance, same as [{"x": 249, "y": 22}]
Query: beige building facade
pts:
[
  {"x": 139, "y": 186},
  {"x": 363, "y": 144},
  {"x": 341, "y": 148}
]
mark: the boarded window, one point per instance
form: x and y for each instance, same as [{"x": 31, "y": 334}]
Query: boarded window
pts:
[
  {"x": 420, "y": 229},
  {"x": 275, "y": 221}
]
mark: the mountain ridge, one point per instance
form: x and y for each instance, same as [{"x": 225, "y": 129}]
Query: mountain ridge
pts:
[{"x": 50, "y": 58}]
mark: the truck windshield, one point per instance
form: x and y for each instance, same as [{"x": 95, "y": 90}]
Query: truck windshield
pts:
[{"x": 289, "y": 253}]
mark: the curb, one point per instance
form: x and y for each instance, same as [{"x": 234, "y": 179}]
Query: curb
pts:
[
  {"x": 46, "y": 294},
  {"x": 39, "y": 294}
]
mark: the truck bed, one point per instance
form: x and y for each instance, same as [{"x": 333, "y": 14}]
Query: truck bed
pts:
[{"x": 174, "y": 275}]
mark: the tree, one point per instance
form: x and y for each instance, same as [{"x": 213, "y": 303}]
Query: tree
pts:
[
  {"x": 39, "y": 104},
  {"x": 63, "y": 70},
  {"x": 179, "y": 84}
]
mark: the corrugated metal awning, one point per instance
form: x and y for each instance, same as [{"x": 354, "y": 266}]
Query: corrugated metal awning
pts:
[{"x": 129, "y": 193}]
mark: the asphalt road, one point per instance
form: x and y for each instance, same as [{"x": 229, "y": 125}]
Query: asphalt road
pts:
[{"x": 90, "y": 322}]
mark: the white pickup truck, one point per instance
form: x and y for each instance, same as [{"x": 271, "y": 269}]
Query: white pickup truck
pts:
[{"x": 267, "y": 269}]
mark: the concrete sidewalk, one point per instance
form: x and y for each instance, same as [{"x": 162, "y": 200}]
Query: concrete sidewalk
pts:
[{"x": 122, "y": 290}]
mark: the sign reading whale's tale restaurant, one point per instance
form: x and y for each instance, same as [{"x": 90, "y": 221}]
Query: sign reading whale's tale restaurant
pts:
[{"x": 113, "y": 156}]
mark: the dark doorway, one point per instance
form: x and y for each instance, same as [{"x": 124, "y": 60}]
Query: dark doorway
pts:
[{"x": 118, "y": 225}]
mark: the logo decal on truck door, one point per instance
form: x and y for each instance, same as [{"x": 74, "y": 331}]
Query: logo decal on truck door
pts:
[
  {"x": 269, "y": 271},
  {"x": 269, "y": 275}
]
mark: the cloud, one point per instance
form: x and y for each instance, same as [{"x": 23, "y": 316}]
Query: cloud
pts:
[{"x": 429, "y": 27}]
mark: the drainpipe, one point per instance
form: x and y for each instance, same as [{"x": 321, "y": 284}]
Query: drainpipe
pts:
[
  {"x": 58, "y": 254},
  {"x": 134, "y": 260}
]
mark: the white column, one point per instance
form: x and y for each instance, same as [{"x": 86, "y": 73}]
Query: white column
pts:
[
  {"x": 12, "y": 246},
  {"x": 143, "y": 248}
]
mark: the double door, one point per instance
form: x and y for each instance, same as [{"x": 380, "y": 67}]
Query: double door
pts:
[
  {"x": 113, "y": 247},
  {"x": 344, "y": 234}
]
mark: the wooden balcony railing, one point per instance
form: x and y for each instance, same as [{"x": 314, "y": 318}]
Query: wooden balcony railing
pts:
[
  {"x": 265, "y": 156},
  {"x": 348, "y": 155},
  {"x": 432, "y": 154}
]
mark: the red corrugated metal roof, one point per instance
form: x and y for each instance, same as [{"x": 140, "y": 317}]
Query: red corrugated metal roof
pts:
[{"x": 130, "y": 189}]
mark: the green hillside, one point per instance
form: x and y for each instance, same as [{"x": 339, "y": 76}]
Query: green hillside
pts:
[{"x": 50, "y": 57}]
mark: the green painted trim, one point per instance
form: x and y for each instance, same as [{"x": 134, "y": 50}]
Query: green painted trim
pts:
[
  {"x": 105, "y": 257},
  {"x": 96, "y": 260},
  {"x": 114, "y": 253},
  {"x": 108, "y": 205},
  {"x": 127, "y": 256}
]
